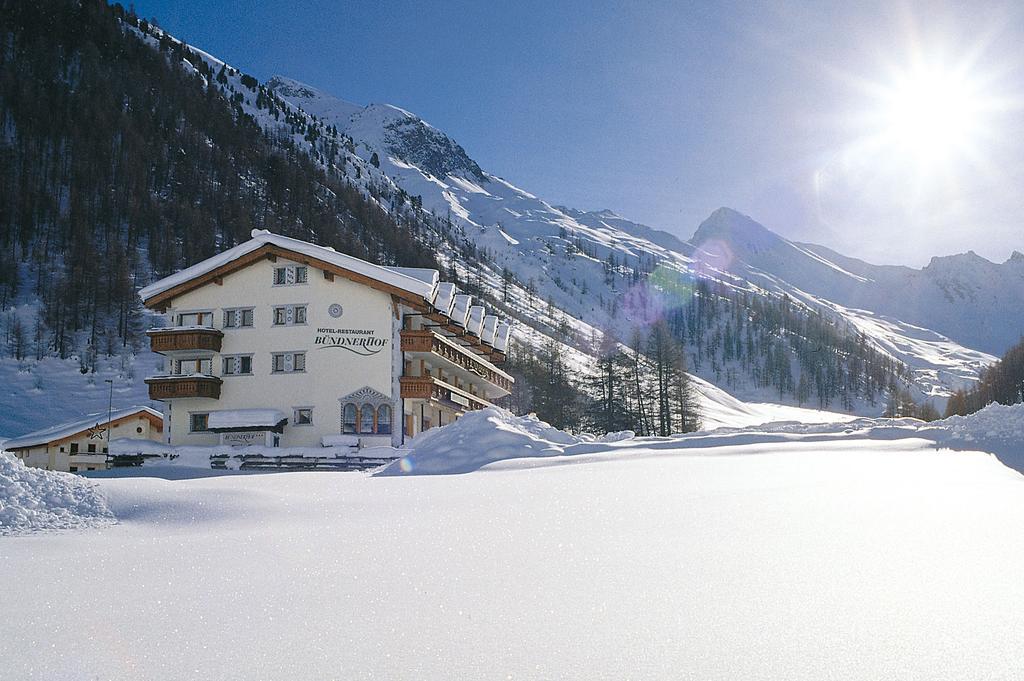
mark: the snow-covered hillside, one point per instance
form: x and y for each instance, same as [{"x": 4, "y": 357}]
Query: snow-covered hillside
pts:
[
  {"x": 973, "y": 302},
  {"x": 861, "y": 551},
  {"x": 564, "y": 254}
]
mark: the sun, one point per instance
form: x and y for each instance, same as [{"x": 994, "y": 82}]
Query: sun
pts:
[{"x": 931, "y": 114}]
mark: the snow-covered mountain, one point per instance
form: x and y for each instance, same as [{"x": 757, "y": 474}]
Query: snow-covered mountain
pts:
[
  {"x": 943, "y": 321},
  {"x": 965, "y": 297}
]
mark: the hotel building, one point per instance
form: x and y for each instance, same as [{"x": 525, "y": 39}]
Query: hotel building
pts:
[{"x": 284, "y": 343}]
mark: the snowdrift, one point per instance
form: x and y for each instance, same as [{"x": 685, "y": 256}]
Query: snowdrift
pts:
[
  {"x": 492, "y": 435},
  {"x": 486, "y": 436},
  {"x": 33, "y": 500}
]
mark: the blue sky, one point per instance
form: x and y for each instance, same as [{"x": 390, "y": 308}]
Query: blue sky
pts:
[{"x": 664, "y": 112}]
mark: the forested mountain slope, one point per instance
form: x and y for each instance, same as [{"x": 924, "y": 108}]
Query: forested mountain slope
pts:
[{"x": 127, "y": 154}]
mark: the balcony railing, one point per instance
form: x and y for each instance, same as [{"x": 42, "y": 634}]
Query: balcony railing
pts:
[
  {"x": 428, "y": 341},
  {"x": 430, "y": 388},
  {"x": 174, "y": 387},
  {"x": 177, "y": 338}
]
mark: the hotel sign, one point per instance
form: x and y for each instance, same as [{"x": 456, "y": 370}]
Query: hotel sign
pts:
[
  {"x": 244, "y": 437},
  {"x": 363, "y": 342}
]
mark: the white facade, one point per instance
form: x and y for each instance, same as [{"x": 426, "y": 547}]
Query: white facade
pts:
[{"x": 316, "y": 338}]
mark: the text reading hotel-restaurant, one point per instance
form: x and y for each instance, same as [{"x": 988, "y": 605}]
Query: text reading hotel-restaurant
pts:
[{"x": 284, "y": 343}]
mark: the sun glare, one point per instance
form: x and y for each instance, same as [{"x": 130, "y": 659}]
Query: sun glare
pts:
[{"x": 931, "y": 114}]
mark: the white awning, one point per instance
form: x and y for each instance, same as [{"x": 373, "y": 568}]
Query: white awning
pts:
[{"x": 246, "y": 419}]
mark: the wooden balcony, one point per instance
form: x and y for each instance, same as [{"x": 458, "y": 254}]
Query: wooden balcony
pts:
[
  {"x": 430, "y": 388},
  {"x": 456, "y": 356},
  {"x": 174, "y": 387},
  {"x": 185, "y": 338}
]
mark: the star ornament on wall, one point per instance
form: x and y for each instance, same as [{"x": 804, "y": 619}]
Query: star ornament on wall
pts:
[{"x": 97, "y": 432}]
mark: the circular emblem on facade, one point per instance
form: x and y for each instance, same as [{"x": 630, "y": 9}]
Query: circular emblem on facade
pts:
[{"x": 335, "y": 310}]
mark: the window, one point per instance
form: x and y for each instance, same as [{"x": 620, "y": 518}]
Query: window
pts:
[
  {"x": 288, "y": 362},
  {"x": 286, "y": 315},
  {"x": 199, "y": 423},
  {"x": 91, "y": 449},
  {"x": 366, "y": 419},
  {"x": 236, "y": 365},
  {"x": 188, "y": 367},
  {"x": 195, "y": 319},
  {"x": 290, "y": 274},
  {"x": 384, "y": 419},
  {"x": 302, "y": 416},
  {"x": 238, "y": 318},
  {"x": 74, "y": 448},
  {"x": 348, "y": 418},
  {"x": 62, "y": 449},
  {"x": 73, "y": 469}
]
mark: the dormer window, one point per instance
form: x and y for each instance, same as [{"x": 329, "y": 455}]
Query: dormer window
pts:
[{"x": 290, "y": 274}]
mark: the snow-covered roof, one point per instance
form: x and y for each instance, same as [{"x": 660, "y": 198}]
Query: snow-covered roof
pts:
[
  {"x": 445, "y": 297},
  {"x": 490, "y": 326},
  {"x": 476, "y": 320},
  {"x": 227, "y": 419},
  {"x": 413, "y": 280},
  {"x": 460, "y": 309},
  {"x": 501, "y": 336},
  {"x": 421, "y": 282},
  {"x": 65, "y": 430}
]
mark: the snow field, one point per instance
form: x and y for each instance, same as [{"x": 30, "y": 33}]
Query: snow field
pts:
[{"x": 852, "y": 559}]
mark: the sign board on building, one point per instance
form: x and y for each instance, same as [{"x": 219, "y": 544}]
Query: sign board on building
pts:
[
  {"x": 363, "y": 342},
  {"x": 242, "y": 438}
]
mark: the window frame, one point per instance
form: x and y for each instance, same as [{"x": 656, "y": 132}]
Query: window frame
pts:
[
  {"x": 178, "y": 314},
  {"x": 345, "y": 423},
  {"x": 378, "y": 421},
  {"x": 295, "y": 279},
  {"x": 295, "y": 417},
  {"x": 239, "y": 358},
  {"x": 192, "y": 421},
  {"x": 284, "y": 353},
  {"x": 238, "y": 314},
  {"x": 290, "y": 309}
]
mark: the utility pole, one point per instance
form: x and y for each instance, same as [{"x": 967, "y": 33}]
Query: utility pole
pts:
[{"x": 110, "y": 408}]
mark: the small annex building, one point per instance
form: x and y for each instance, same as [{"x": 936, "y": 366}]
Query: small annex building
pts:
[
  {"x": 279, "y": 342},
  {"x": 80, "y": 446}
]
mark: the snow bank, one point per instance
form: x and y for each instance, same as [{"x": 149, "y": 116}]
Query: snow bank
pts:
[
  {"x": 998, "y": 423},
  {"x": 33, "y": 500},
  {"x": 479, "y": 438}
]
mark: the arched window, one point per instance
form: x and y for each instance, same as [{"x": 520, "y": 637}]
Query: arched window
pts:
[
  {"x": 384, "y": 419},
  {"x": 348, "y": 418},
  {"x": 366, "y": 418}
]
